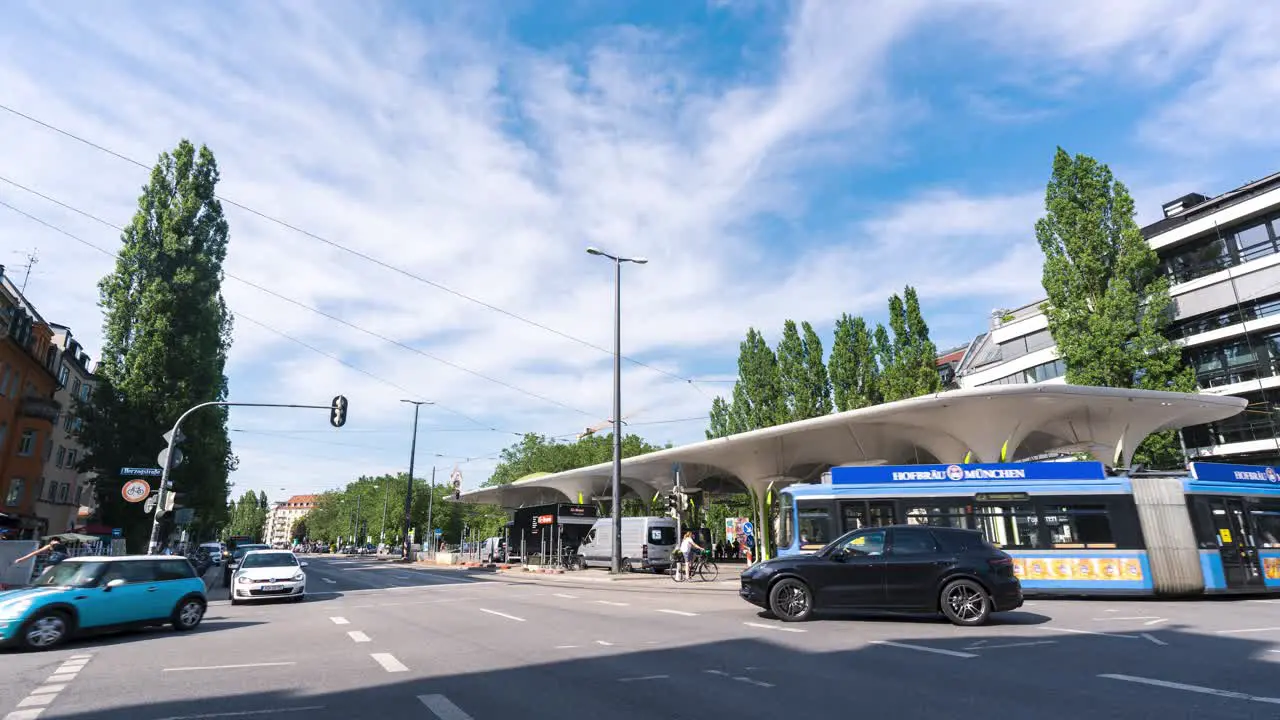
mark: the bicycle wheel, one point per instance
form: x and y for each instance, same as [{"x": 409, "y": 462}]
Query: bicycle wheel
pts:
[
  {"x": 675, "y": 572},
  {"x": 708, "y": 571}
]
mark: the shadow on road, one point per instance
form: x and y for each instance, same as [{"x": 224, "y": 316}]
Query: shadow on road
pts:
[
  {"x": 949, "y": 673},
  {"x": 122, "y": 637}
]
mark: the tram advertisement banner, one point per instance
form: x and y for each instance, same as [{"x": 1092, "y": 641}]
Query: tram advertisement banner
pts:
[
  {"x": 1077, "y": 568},
  {"x": 1222, "y": 472},
  {"x": 1017, "y": 472}
]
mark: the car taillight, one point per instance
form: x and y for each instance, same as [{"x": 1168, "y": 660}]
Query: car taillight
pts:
[
  {"x": 644, "y": 550},
  {"x": 1000, "y": 562}
]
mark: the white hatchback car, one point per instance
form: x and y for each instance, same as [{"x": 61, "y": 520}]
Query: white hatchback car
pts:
[{"x": 269, "y": 574}]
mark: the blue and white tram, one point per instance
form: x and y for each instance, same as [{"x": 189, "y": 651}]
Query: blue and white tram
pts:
[{"x": 1071, "y": 527}]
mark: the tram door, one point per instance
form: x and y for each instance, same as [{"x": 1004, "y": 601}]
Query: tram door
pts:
[{"x": 1235, "y": 543}]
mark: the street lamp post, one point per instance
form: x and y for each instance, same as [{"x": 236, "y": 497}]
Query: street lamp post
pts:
[
  {"x": 616, "y": 495},
  {"x": 382, "y": 535},
  {"x": 408, "y": 493}
]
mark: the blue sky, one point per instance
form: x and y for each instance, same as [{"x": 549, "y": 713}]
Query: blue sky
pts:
[{"x": 773, "y": 159}]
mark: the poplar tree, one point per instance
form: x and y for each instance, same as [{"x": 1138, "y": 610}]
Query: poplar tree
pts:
[
  {"x": 166, "y": 335},
  {"x": 854, "y": 369},
  {"x": 1108, "y": 303}
]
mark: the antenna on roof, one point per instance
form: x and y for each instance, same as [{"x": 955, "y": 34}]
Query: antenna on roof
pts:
[{"x": 32, "y": 258}]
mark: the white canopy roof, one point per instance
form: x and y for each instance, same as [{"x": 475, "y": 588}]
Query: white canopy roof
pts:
[{"x": 1026, "y": 420}]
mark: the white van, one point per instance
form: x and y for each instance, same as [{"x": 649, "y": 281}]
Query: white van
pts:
[{"x": 647, "y": 542}]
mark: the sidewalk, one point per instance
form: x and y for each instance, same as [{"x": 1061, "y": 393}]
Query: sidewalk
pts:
[{"x": 727, "y": 582}]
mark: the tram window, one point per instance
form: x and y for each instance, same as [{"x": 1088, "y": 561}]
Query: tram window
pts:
[
  {"x": 939, "y": 515},
  {"x": 785, "y": 521},
  {"x": 1266, "y": 523},
  {"x": 1079, "y": 526},
  {"x": 815, "y": 527},
  {"x": 1009, "y": 526},
  {"x": 854, "y": 516}
]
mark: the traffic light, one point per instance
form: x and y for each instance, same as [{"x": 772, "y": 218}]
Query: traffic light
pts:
[{"x": 338, "y": 414}]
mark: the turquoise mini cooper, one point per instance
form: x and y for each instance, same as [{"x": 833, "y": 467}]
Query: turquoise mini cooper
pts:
[{"x": 98, "y": 594}]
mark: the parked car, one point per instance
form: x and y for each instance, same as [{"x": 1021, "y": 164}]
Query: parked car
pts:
[
  {"x": 269, "y": 574},
  {"x": 907, "y": 567},
  {"x": 96, "y": 594}
]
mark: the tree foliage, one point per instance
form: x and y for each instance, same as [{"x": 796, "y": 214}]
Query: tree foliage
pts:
[
  {"x": 357, "y": 510},
  {"x": 538, "y": 454},
  {"x": 802, "y": 373},
  {"x": 166, "y": 334},
  {"x": 908, "y": 359},
  {"x": 1108, "y": 304},
  {"x": 247, "y": 517},
  {"x": 855, "y": 370}
]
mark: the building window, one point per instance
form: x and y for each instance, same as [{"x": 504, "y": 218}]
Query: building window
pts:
[
  {"x": 75, "y": 388},
  {"x": 27, "y": 444},
  {"x": 63, "y": 373},
  {"x": 71, "y": 458},
  {"x": 84, "y": 392},
  {"x": 80, "y": 496},
  {"x": 1249, "y": 241},
  {"x": 14, "y": 496},
  {"x": 62, "y": 454},
  {"x": 1036, "y": 374},
  {"x": 4, "y": 432},
  {"x": 64, "y": 492}
]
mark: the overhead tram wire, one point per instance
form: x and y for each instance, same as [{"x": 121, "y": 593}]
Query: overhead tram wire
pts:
[
  {"x": 691, "y": 382},
  {"x": 275, "y": 294}
]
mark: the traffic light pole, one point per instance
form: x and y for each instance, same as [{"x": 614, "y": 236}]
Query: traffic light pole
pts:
[{"x": 153, "y": 546}]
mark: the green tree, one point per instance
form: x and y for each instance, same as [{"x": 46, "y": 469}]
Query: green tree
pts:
[
  {"x": 1108, "y": 304},
  {"x": 817, "y": 379},
  {"x": 262, "y": 500},
  {"x": 722, "y": 420},
  {"x": 539, "y": 454},
  {"x": 909, "y": 358},
  {"x": 802, "y": 374},
  {"x": 855, "y": 371},
  {"x": 166, "y": 334},
  {"x": 248, "y": 518}
]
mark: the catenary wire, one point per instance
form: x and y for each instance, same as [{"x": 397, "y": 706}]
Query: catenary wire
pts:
[{"x": 691, "y": 382}]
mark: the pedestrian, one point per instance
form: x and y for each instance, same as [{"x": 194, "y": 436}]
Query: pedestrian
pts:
[
  {"x": 687, "y": 546},
  {"x": 56, "y": 549}
]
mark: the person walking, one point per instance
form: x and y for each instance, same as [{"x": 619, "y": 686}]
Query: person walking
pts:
[{"x": 56, "y": 549}]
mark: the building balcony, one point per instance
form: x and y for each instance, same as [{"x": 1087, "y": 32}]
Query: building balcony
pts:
[{"x": 39, "y": 408}]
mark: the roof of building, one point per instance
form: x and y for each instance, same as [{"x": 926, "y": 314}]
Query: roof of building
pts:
[
  {"x": 1025, "y": 420},
  {"x": 1214, "y": 204},
  {"x": 303, "y": 500}
]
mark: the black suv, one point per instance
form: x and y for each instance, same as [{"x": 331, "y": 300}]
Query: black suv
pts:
[{"x": 902, "y": 567}]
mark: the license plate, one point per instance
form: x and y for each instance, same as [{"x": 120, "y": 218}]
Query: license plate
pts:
[{"x": 272, "y": 588}]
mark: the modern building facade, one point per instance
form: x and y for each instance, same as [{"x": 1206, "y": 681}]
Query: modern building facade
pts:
[
  {"x": 28, "y": 411},
  {"x": 1222, "y": 255},
  {"x": 283, "y": 516},
  {"x": 67, "y": 493}
]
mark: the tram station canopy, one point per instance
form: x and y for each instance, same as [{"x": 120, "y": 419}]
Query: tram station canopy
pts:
[{"x": 986, "y": 424}]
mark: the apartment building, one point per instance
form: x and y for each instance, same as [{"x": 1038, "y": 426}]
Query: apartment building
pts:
[
  {"x": 1222, "y": 255},
  {"x": 283, "y": 515},
  {"x": 67, "y": 494},
  {"x": 28, "y": 411}
]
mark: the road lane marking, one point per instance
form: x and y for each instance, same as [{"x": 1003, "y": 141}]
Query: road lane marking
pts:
[
  {"x": 564, "y": 647},
  {"x": 615, "y": 604},
  {"x": 976, "y": 646},
  {"x": 1156, "y": 621},
  {"x": 80, "y": 657},
  {"x": 605, "y": 643},
  {"x": 331, "y": 581},
  {"x": 1087, "y": 632},
  {"x": 402, "y": 577},
  {"x": 1192, "y": 688},
  {"x": 721, "y": 673},
  {"x": 501, "y": 614},
  {"x": 1154, "y": 639},
  {"x": 61, "y": 677},
  {"x": 773, "y": 627},
  {"x": 922, "y": 648},
  {"x": 244, "y": 713},
  {"x": 749, "y": 681},
  {"x": 24, "y": 714},
  {"x": 442, "y": 708},
  {"x": 48, "y": 689},
  {"x": 642, "y": 679},
  {"x": 389, "y": 662},
  {"x": 1247, "y": 630},
  {"x": 37, "y": 700},
  {"x": 678, "y": 612},
  {"x": 566, "y": 596},
  {"x": 340, "y": 621},
  {"x": 1138, "y": 617},
  {"x": 358, "y": 636},
  {"x": 228, "y": 667}
]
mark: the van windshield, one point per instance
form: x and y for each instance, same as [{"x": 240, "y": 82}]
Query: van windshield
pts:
[{"x": 662, "y": 535}]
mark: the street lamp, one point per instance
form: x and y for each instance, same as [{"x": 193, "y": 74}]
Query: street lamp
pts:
[
  {"x": 408, "y": 493},
  {"x": 616, "y": 555}
]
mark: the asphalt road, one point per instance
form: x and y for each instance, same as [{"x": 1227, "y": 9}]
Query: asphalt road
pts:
[{"x": 385, "y": 641}]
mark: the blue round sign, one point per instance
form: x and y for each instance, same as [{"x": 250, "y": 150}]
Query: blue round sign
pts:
[{"x": 748, "y": 528}]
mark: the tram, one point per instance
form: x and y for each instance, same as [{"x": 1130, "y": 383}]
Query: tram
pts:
[{"x": 1071, "y": 527}]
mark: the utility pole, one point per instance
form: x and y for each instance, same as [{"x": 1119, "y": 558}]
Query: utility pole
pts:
[
  {"x": 408, "y": 493},
  {"x": 382, "y": 536},
  {"x": 431, "y": 529}
]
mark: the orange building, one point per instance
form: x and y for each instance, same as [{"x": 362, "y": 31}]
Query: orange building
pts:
[{"x": 28, "y": 411}]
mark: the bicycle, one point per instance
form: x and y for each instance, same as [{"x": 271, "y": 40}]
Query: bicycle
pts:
[{"x": 701, "y": 566}]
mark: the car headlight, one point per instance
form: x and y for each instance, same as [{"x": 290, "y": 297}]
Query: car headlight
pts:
[
  {"x": 14, "y": 608},
  {"x": 243, "y": 580},
  {"x": 299, "y": 577}
]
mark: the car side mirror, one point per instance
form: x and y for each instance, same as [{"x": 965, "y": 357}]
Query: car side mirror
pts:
[
  {"x": 113, "y": 584},
  {"x": 302, "y": 564}
]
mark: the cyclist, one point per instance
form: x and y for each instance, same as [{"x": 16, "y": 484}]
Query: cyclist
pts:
[{"x": 687, "y": 546}]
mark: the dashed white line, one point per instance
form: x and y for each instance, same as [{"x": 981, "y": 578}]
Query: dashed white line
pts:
[
  {"x": 389, "y": 662},
  {"x": 1154, "y": 639},
  {"x": 228, "y": 667},
  {"x": 678, "y": 612},
  {"x": 1156, "y": 621},
  {"x": 721, "y": 673},
  {"x": 442, "y": 708},
  {"x": 48, "y": 689},
  {"x": 340, "y": 621},
  {"x": 358, "y": 636},
  {"x": 501, "y": 614},
  {"x": 24, "y": 714},
  {"x": 750, "y": 681},
  {"x": 976, "y": 646},
  {"x": 245, "y": 713},
  {"x": 1247, "y": 630},
  {"x": 922, "y": 648},
  {"x": 615, "y": 604},
  {"x": 605, "y": 643},
  {"x": 1087, "y": 632},
  {"x": 1192, "y": 688},
  {"x": 642, "y": 679},
  {"x": 566, "y": 596},
  {"x": 773, "y": 627},
  {"x": 564, "y": 647},
  {"x": 37, "y": 700},
  {"x": 1137, "y": 617},
  {"x": 331, "y": 581}
]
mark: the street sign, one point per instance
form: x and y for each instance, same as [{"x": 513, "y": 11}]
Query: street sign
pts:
[
  {"x": 164, "y": 456},
  {"x": 748, "y": 528},
  {"x": 117, "y": 532},
  {"x": 150, "y": 504},
  {"x": 141, "y": 472},
  {"x": 136, "y": 490},
  {"x": 170, "y": 440},
  {"x": 439, "y": 532}
]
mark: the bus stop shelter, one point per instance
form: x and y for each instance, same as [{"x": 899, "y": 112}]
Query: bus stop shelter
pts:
[{"x": 1007, "y": 423}]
